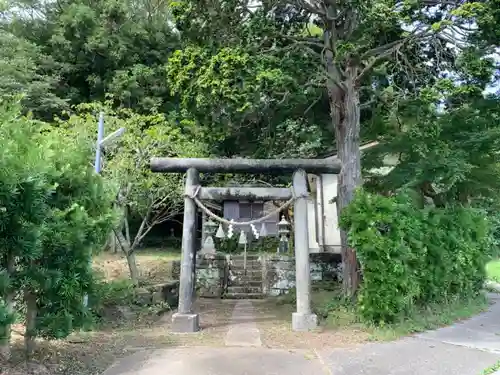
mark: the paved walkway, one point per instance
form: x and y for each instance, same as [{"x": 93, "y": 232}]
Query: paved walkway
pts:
[{"x": 466, "y": 348}]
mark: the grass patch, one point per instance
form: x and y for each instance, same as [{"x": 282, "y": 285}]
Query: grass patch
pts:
[
  {"x": 493, "y": 270},
  {"x": 155, "y": 265},
  {"x": 492, "y": 369},
  {"x": 433, "y": 317},
  {"x": 335, "y": 313}
]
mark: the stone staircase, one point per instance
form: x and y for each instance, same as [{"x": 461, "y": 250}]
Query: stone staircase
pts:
[{"x": 245, "y": 284}]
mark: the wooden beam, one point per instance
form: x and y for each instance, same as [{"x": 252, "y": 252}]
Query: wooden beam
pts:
[
  {"x": 263, "y": 193},
  {"x": 269, "y": 166}
]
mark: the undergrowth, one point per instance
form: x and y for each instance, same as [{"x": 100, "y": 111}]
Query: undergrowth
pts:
[
  {"x": 336, "y": 312},
  {"x": 413, "y": 259}
]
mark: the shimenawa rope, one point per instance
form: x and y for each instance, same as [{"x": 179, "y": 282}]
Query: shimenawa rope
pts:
[
  {"x": 205, "y": 209},
  {"x": 200, "y": 204}
]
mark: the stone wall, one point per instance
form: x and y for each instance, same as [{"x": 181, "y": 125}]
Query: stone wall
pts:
[
  {"x": 211, "y": 275},
  {"x": 277, "y": 277},
  {"x": 280, "y": 271}
]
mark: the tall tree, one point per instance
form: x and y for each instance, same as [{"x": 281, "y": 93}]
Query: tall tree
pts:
[
  {"x": 54, "y": 212},
  {"x": 153, "y": 198},
  {"x": 101, "y": 47},
  {"x": 447, "y": 146},
  {"x": 366, "y": 55},
  {"x": 23, "y": 73},
  {"x": 360, "y": 37}
]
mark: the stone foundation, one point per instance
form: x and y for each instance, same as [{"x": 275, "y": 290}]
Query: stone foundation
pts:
[
  {"x": 280, "y": 271},
  {"x": 275, "y": 272},
  {"x": 211, "y": 275}
]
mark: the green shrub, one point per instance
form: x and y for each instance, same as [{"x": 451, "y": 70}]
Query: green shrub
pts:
[
  {"x": 414, "y": 257},
  {"x": 54, "y": 210},
  {"x": 268, "y": 244},
  {"x": 228, "y": 245},
  {"x": 111, "y": 293}
]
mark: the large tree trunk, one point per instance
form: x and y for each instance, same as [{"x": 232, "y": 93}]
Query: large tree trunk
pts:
[
  {"x": 6, "y": 331},
  {"x": 345, "y": 110},
  {"x": 31, "y": 315}
]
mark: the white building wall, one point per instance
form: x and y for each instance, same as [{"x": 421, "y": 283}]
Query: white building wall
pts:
[
  {"x": 311, "y": 223},
  {"x": 324, "y": 233},
  {"x": 330, "y": 220}
]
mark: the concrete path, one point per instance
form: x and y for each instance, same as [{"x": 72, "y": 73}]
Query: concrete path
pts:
[
  {"x": 243, "y": 330},
  {"x": 466, "y": 348}
]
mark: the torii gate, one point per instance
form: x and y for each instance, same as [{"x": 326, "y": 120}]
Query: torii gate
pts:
[{"x": 186, "y": 320}]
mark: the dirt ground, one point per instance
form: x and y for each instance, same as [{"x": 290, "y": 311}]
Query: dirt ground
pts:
[
  {"x": 155, "y": 266},
  {"x": 89, "y": 353},
  {"x": 274, "y": 322}
]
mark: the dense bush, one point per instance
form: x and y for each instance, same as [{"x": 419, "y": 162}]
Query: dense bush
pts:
[
  {"x": 110, "y": 293},
  {"x": 54, "y": 211},
  {"x": 414, "y": 257}
]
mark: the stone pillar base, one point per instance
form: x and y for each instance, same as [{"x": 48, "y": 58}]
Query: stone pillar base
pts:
[
  {"x": 304, "y": 322},
  {"x": 185, "y": 323}
]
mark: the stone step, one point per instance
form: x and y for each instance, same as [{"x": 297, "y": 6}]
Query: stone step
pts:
[
  {"x": 249, "y": 257},
  {"x": 246, "y": 273},
  {"x": 241, "y": 267},
  {"x": 251, "y": 283},
  {"x": 244, "y": 289},
  {"x": 249, "y": 273},
  {"x": 250, "y": 264},
  {"x": 244, "y": 296},
  {"x": 254, "y": 283}
]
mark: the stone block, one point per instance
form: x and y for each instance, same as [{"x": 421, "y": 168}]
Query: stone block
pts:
[
  {"x": 211, "y": 291},
  {"x": 142, "y": 297},
  {"x": 185, "y": 323},
  {"x": 176, "y": 269},
  {"x": 167, "y": 292},
  {"x": 316, "y": 276},
  {"x": 304, "y": 322},
  {"x": 157, "y": 298}
]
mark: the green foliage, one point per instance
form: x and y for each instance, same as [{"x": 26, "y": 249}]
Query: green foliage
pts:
[
  {"x": 151, "y": 197},
  {"x": 110, "y": 293},
  {"x": 80, "y": 220},
  {"x": 228, "y": 245},
  {"x": 449, "y": 154},
  {"x": 414, "y": 257},
  {"x": 22, "y": 74},
  {"x": 23, "y": 192},
  {"x": 267, "y": 244},
  {"x": 256, "y": 101},
  {"x": 99, "y": 47},
  {"x": 55, "y": 211},
  {"x": 493, "y": 270}
]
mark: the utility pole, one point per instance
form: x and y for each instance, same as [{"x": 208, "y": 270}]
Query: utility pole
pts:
[{"x": 100, "y": 145}]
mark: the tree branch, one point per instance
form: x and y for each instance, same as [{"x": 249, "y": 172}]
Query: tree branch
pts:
[
  {"x": 369, "y": 66},
  {"x": 382, "y": 52},
  {"x": 141, "y": 228},
  {"x": 311, "y": 8}
]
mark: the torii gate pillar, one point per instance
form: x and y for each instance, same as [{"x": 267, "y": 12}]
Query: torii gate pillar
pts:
[
  {"x": 185, "y": 320},
  {"x": 303, "y": 319}
]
